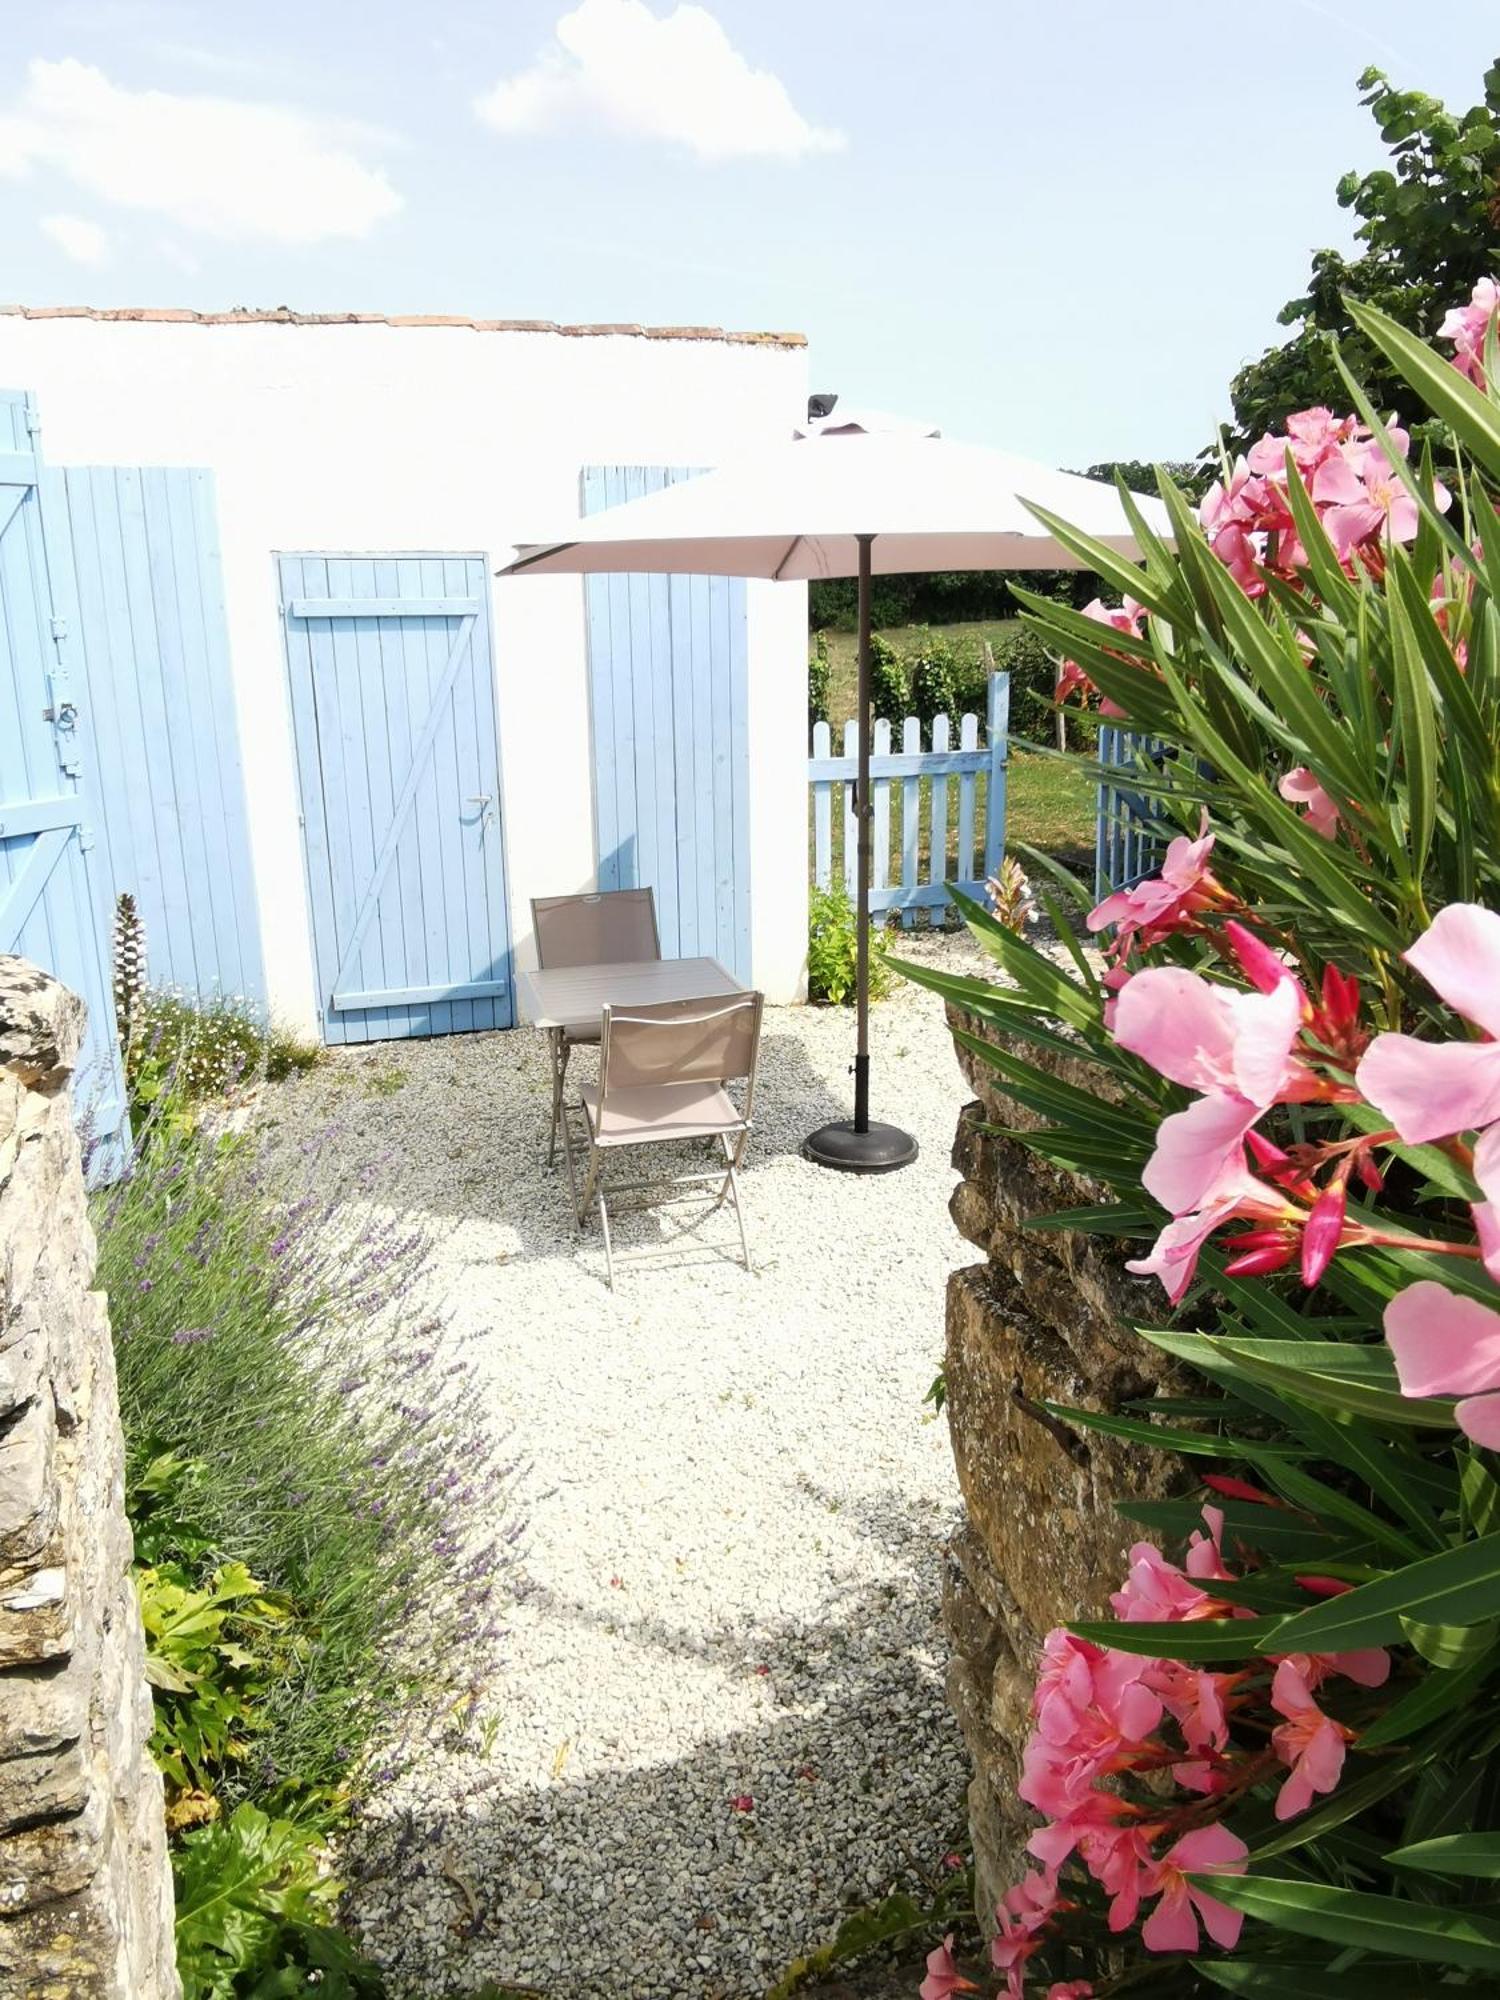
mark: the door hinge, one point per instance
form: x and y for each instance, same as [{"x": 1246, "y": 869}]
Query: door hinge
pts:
[
  {"x": 85, "y": 838},
  {"x": 59, "y": 628},
  {"x": 34, "y": 421}
]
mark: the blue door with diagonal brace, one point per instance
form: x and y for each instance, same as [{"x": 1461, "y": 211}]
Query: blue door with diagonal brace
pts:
[
  {"x": 53, "y": 910},
  {"x": 393, "y": 708}
]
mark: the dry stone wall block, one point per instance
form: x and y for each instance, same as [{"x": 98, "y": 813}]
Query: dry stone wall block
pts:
[{"x": 85, "y": 1886}]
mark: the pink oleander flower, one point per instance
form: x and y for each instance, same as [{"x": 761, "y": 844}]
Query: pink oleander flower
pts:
[
  {"x": 1126, "y": 617},
  {"x": 1059, "y": 1770},
  {"x": 1445, "y": 1344},
  {"x": 1020, "y": 1914},
  {"x": 1070, "y": 1989},
  {"x": 1237, "y": 1048},
  {"x": 1369, "y": 1667},
  {"x": 1311, "y": 1742},
  {"x": 943, "y": 1976},
  {"x": 1171, "y": 901},
  {"x": 1236, "y": 1196},
  {"x": 1195, "y": 1699},
  {"x": 1466, "y": 326},
  {"x": 1214, "y": 1038},
  {"x": 1360, "y": 497},
  {"x": 1121, "y": 1863},
  {"x": 1078, "y": 1681},
  {"x": 1092, "y": 1823},
  {"x": 1311, "y": 436},
  {"x": 1173, "y": 1924},
  {"x": 1300, "y": 788},
  {"x": 1486, "y": 1213},
  {"x": 1431, "y": 1090},
  {"x": 1156, "y": 1591}
]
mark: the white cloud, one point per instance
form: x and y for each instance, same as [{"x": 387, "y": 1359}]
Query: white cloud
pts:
[
  {"x": 214, "y": 165},
  {"x": 679, "y": 78},
  {"x": 85, "y": 242}
]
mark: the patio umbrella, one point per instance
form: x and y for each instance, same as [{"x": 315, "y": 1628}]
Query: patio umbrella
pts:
[{"x": 848, "y": 503}]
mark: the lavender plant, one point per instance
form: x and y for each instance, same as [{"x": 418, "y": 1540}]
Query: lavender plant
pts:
[{"x": 273, "y": 1337}]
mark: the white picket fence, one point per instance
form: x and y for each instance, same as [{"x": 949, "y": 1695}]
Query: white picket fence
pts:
[{"x": 901, "y": 775}]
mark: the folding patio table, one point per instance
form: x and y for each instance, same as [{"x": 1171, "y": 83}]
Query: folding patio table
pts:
[{"x": 574, "y": 997}]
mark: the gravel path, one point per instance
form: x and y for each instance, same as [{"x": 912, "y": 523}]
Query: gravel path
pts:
[{"x": 719, "y": 1719}]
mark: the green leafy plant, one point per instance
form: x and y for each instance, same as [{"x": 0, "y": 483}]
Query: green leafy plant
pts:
[
  {"x": 832, "y": 950},
  {"x": 819, "y": 675},
  {"x": 889, "y": 691},
  {"x": 1292, "y": 1723},
  {"x": 1428, "y": 229},
  {"x": 180, "y": 1052},
  {"x": 930, "y": 665},
  {"x": 254, "y": 1904},
  {"x": 211, "y": 1654}
]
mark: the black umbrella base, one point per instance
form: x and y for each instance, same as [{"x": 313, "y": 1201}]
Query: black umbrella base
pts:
[{"x": 880, "y": 1150}]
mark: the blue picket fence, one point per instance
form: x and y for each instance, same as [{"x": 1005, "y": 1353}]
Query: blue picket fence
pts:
[
  {"x": 1127, "y": 836},
  {"x": 897, "y": 778}
]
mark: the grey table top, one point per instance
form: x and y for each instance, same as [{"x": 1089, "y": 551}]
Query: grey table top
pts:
[{"x": 575, "y": 996}]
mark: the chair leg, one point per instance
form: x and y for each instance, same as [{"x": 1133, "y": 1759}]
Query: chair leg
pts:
[
  {"x": 609, "y": 1255},
  {"x": 580, "y": 1203},
  {"x": 739, "y": 1215},
  {"x": 719, "y": 1198},
  {"x": 559, "y": 1045}
]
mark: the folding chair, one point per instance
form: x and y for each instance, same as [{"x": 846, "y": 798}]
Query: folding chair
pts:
[
  {"x": 612, "y": 927},
  {"x": 662, "y": 1075}
]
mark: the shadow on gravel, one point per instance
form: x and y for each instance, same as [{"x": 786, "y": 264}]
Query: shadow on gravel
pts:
[
  {"x": 662, "y": 1882},
  {"x": 488, "y": 1163}
]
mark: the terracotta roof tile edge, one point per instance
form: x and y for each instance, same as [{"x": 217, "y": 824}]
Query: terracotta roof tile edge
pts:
[{"x": 284, "y": 316}]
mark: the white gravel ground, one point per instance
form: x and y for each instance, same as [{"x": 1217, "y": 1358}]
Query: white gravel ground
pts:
[{"x": 735, "y": 1511}]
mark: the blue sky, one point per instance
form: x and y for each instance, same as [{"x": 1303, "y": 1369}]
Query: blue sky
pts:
[{"x": 1053, "y": 225}]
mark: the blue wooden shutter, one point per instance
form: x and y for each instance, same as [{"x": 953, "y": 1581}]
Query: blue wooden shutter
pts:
[
  {"x": 52, "y": 910},
  {"x": 669, "y": 686},
  {"x": 163, "y": 751}
]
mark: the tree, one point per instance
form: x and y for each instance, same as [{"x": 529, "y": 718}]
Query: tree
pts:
[{"x": 1429, "y": 227}]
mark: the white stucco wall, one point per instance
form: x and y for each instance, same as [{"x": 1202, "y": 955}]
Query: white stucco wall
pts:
[{"x": 374, "y": 437}]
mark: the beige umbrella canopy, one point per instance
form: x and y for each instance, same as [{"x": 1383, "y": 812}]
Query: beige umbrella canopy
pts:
[{"x": 848, "y": 503}]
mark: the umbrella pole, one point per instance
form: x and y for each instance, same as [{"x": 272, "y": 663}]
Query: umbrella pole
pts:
[
  {"x": 856, "y": 1146},
  {"x": 864, "y": 820}
]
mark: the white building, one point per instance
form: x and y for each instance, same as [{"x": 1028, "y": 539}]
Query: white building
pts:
[{"x": 363, "y": 436}]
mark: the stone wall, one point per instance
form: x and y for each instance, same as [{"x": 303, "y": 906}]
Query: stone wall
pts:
[
  {"x": 85, "y": 1889},
  {"x": 1045, "y": 1318}
]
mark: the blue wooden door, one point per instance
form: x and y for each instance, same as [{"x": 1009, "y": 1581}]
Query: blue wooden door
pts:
[
  {"x": 52, "y": 909},
  {"x": 668, "y": 682},
  {"x": 393, "y": 706}
]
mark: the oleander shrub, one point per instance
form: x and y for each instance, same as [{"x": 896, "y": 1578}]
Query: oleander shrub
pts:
[{"x": 1275, "y": 1768}]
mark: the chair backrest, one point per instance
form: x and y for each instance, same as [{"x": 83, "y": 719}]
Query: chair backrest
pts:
[
  {"x": 612, "y": 927},
  {"x": 713, "y": 1040}
]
